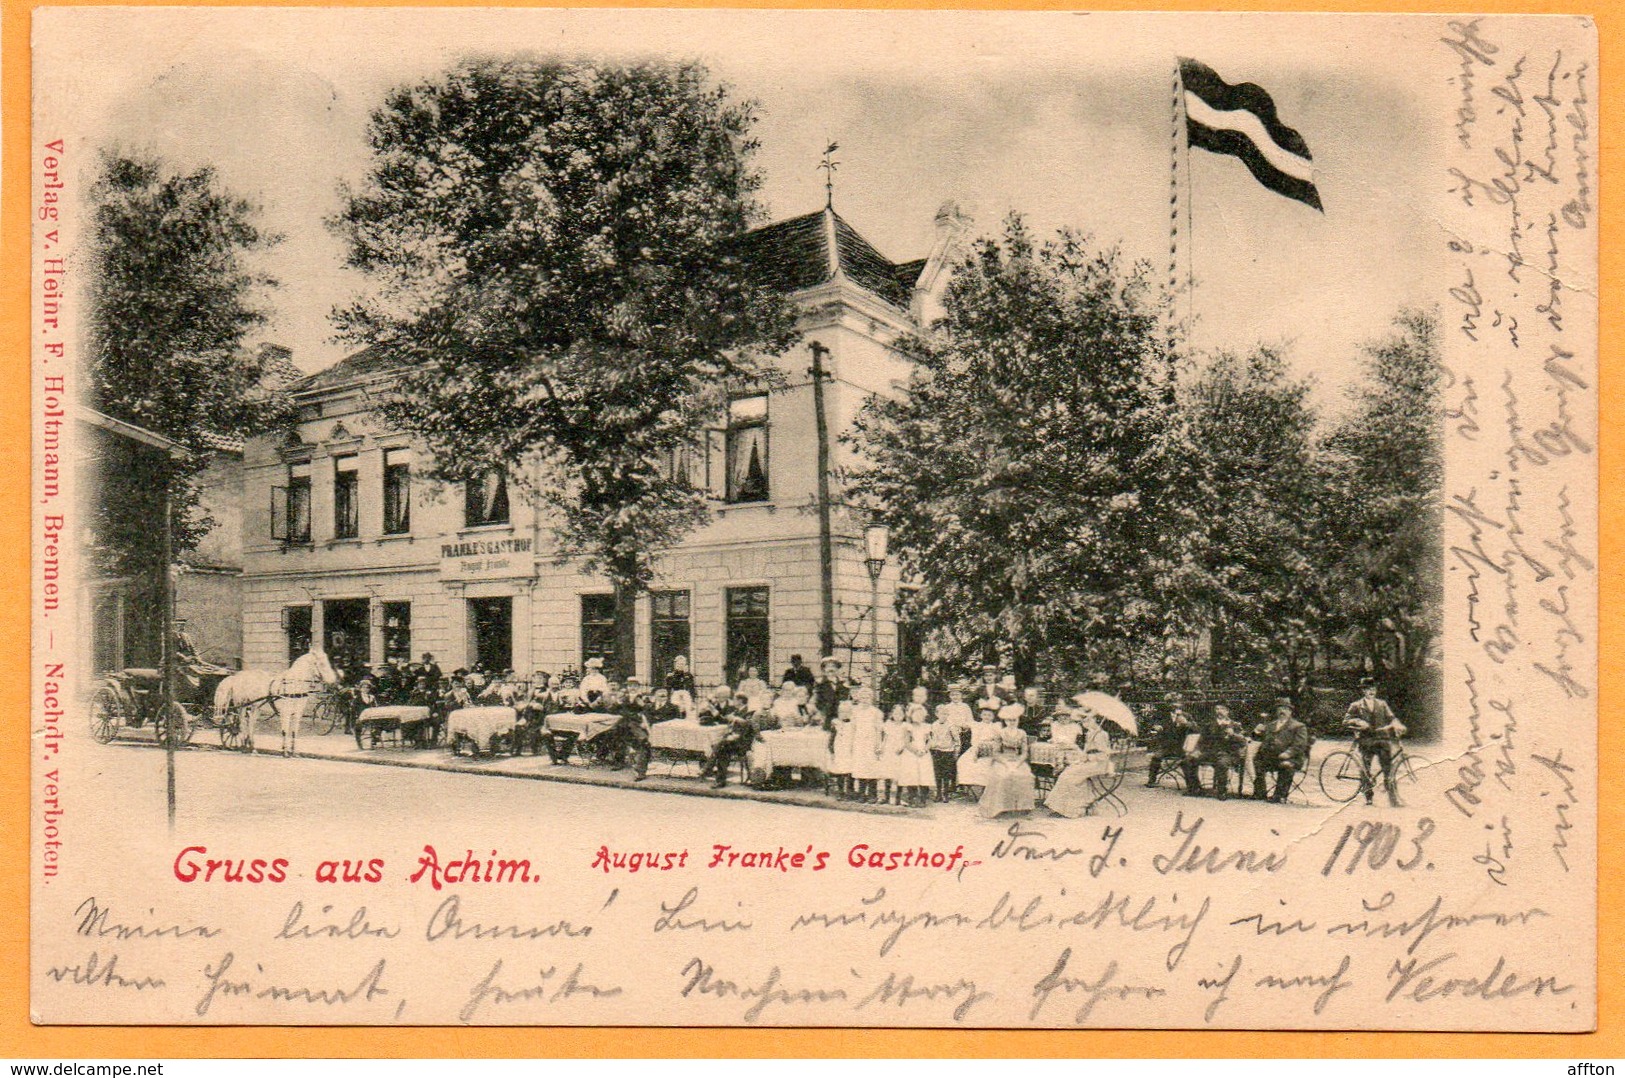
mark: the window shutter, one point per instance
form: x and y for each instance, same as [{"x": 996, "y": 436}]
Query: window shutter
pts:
[{"x": 279, "y": 513}]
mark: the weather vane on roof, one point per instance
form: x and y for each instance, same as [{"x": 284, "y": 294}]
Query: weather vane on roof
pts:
[{"x": 829, "y": 165}]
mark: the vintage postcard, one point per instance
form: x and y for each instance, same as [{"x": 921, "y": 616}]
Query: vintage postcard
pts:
[{"x": 814, "y": 519}]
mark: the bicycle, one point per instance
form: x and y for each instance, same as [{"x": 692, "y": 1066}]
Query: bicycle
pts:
[{"x": 1343, "y": 774}]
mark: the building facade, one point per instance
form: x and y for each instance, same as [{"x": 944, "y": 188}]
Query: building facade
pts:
[{"x": 346, "y": 544}]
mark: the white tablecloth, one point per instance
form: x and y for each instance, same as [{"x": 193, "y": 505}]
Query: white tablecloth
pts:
[
  {"x": 393, "y": 716},
  {"x": 686, "y": 735},
  {"x": 586, "y": 724},
  {"x": 481, "y": 723},
  {"x": 803, "y": 747}
]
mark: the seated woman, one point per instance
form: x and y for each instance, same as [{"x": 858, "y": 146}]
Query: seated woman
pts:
[
  {"x": 1066, "y": 731},
  {"x": 1075, "y": 791},
  {"x": 972, "y": 768},
  {"x": 787, "y": 707},
  {"x": 1010, "y": 783}
]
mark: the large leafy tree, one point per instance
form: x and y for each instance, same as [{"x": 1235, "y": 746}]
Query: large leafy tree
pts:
[
  {"x": 1021, "y": 466},
  {"x": 1250, "y": 489},
  {"x": 1384, "y": 517},
  {"x": 174, "y": 292},
  {"x": 555, "y": 249}
]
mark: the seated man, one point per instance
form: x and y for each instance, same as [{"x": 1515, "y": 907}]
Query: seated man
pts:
[
  {"x": 1283, "y": 751},
  {"x": 1224, "y": 748},
  {"x": 1166, "y": 740}
]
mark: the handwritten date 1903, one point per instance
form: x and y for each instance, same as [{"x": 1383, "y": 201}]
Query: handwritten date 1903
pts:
[{"x": 1374, "y": 844}]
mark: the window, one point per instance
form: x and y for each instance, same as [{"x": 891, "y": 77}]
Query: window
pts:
[
  {"x": 685, "y": 466},
  {"x": 747, "y": 449},
  {"x": 485, "y": 499},
  {"x": 669, "y": 634},
  {"x": 598, "y": 629},
  {"x": 747, "y": 632},
  {"x": 397, "y": 491},
  {"x": 346, "y": 523},
  {"x": 296, "y": 626},
  {"x": 910, "y": 637},
  {"x": 397, "y": 632},
  {"x": 290, "y": 506}
]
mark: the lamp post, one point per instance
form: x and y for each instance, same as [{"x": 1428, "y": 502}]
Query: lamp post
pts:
[{"x": 875, "y": 537}]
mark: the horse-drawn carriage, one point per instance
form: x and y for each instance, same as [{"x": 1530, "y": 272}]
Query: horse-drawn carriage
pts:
[{"x": 134, "y": 699}]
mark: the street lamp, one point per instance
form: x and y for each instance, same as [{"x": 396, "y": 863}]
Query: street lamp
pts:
[{"x": 875, "y": 537}]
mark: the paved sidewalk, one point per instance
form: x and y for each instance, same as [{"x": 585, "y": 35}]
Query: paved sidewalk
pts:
[{"x": 664, "y": 777}]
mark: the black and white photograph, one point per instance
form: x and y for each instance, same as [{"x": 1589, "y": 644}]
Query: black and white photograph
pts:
[{"x": 814, "y": 519}]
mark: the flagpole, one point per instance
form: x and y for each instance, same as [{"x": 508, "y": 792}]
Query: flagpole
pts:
[
  {"x": 1173, "y": 224},
  {"x": 1178, "y": 161}
]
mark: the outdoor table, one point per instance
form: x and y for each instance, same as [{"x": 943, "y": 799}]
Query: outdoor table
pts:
[
  {"x": 399, "y": 719},
  {"x": 480, "y": 724},
  {"x": 585, "y": 725},
  {"x": 686, "y": 735},
  {"x": 1050, "y": 754},
  {"x": 806, "y": 746}
]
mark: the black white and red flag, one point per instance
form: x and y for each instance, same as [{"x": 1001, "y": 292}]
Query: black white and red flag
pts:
[{"x": 1241, "y": 121}]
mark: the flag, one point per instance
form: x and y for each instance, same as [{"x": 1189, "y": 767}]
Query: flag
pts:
[{"x": 1241, "y": 121}]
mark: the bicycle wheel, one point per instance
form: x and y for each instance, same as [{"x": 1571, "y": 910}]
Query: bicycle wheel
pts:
[
  {"x": 326, "y": 714},
  {"x": 1341, "y": 776},
  {"x": 1407, "y": 765}
]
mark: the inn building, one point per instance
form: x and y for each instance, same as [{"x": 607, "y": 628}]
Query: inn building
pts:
[{"x": 346, "y": 543}]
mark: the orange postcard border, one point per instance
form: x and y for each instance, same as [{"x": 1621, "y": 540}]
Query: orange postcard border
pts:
[{"x": 19, "y": 1038}]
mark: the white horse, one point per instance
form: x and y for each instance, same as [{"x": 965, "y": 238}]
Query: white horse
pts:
[{"x": 288, "y": 693}]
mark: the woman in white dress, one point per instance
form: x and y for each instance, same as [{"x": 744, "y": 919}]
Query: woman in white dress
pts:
[
  {"x": 972, "y": 769},
  {"x": 1010, "y": 784},
  {"x": 1074, "y": 789},
  {"x": 866, "y": 723}
]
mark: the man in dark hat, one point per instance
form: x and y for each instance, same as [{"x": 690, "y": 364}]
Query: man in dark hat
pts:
[
  {"x": 799, "y": 673},
  {"x": 1165, "y": 740},
  {"x": 829, "y": 690},
  {"x": 1376, "y": 737},
  {"x": 1283, "y": 751}
]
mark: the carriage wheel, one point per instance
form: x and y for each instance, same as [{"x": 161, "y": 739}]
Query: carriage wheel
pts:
[
  {"x": 174, "y": 726},
  {"x": 106, "y": 715},
  {"x": 1341, "y": 776},
  {"x": 460, "y": 741},
  {"x": 230, "y": 727},
  {"x": 326, "y": 714}
]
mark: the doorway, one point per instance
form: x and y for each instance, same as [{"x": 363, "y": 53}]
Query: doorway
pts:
[
  {"x": 490, "y": 633},
  {"x": 346, "y": 633}
]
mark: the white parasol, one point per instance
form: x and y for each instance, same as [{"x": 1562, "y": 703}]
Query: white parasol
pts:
[{"x": 1110, "y": 708}]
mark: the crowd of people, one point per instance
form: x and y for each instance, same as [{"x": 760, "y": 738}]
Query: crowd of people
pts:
[{"x": 981, "y": 743}]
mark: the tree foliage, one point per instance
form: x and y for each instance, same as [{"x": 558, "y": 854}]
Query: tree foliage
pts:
[
  {"x": 1020, "y": 468},
  {"x": 1249, "y": 494},
  {"x": 174, "y": 292},
  {"x": 1051, "y": 500},
  {"x": 555, "y": 249},
  {"x": 1387, "y": 474}
]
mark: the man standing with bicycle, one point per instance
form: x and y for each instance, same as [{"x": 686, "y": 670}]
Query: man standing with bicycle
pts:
[{"x": 1376, "y": 737}]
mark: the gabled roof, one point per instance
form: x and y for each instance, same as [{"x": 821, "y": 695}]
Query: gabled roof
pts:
[
  {"x": 790, "y": 256},
  {"x": 369, "y": 361}
]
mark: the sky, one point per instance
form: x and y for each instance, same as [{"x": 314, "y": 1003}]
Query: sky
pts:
[{"x": 1062, "y": 117}]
